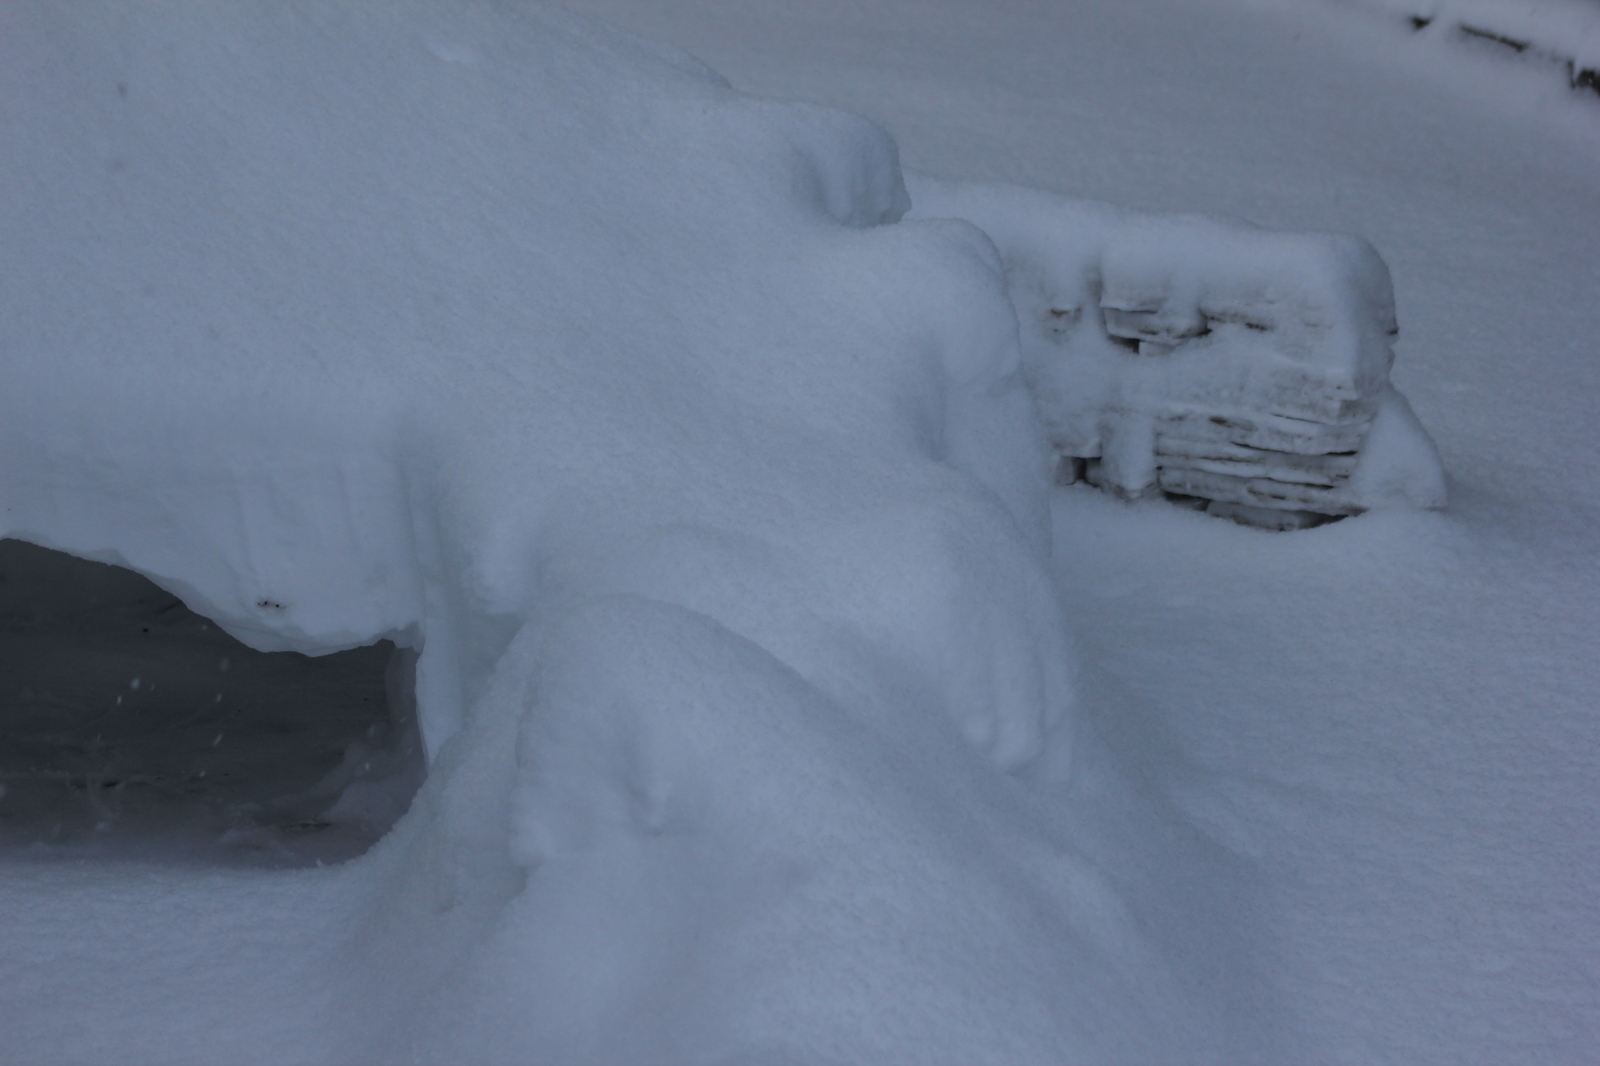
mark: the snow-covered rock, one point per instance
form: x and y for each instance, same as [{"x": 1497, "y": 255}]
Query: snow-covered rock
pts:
[{"x": 1205, "y": 358}]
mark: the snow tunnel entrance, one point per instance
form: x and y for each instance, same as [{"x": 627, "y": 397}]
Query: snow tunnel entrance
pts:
[{"x": 132, "y": 727}]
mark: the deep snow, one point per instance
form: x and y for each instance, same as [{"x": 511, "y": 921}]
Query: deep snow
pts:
[
  {"x": 720, "y": 667},
  {"x": 713, "y": 501},
  {"x": 1392, "y": 719}
]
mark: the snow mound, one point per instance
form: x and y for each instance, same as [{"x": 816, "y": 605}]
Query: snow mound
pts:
[
  {"x": 1204, "y": 358},
  {"x": 713, "y": 504}
]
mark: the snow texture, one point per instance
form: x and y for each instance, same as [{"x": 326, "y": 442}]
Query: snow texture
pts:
[
  {"x": 1388, "y": 723},
  {"x": 1206, "y": 358},
  {"x": 714, "y": 505},
  {"x": 718, "y": 519}
]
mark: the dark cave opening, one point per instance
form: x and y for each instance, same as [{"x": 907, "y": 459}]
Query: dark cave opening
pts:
[{"x": 132, "y": 727}]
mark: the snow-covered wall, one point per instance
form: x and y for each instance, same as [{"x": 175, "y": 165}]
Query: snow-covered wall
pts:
[{"x": 1206, "y": 358}]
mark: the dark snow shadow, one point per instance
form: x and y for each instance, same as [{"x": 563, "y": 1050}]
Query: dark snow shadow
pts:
[{"x": 133, "y": 728}]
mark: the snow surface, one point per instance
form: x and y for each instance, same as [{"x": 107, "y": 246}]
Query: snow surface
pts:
[
  {"x": 719, "y": 515},
  {"x": 1562, "y": 29},
  {"x": 715, "y": 506},
  {"x": 1391, "y": 721}
]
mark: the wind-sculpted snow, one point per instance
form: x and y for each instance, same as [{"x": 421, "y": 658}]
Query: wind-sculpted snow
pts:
[{"x": 714, "y": 504}]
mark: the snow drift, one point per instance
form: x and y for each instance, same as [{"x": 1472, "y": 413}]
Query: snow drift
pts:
[
  {"x": 710, "y": 494},
  {"x": 714, "y": 507}
]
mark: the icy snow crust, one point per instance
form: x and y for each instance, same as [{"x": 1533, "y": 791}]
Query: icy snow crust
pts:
[{"x": 715, "y": 506}]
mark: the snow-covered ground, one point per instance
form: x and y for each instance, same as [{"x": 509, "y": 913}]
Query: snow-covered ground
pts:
[
  {"x": 718, "y": 514},
  {"x": 1393, "y": 721}
]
